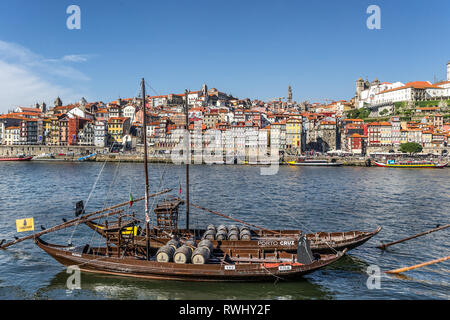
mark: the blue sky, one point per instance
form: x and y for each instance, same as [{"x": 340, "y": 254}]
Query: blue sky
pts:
[{"x": 248, "y": 48}]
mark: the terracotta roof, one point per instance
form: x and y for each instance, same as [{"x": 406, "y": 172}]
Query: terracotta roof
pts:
[
  {"x": 121, "y": 119},
  {"x": 414, "y": 84},
  {"x": 30, "y": 109},
  {"x": 357, "y": 135}
]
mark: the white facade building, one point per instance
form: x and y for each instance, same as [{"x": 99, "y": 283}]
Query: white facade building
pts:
[{"x": 129, "y": 112}]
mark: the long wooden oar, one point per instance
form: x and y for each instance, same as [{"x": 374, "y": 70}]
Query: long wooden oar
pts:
[
  {"x": 60, "y": 227},
  {"x": 82, "y": 219},
  {"x": 384, "y": 246},
  {"x": 400, "y": 270}
]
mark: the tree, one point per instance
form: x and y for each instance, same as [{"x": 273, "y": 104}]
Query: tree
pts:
[{"x": 410, "y": 147}]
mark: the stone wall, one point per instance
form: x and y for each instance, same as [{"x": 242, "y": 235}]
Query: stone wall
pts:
[{"x": 36, "y": 150}]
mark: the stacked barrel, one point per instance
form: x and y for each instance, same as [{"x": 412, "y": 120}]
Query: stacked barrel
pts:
[
  {"x": 167, "y": 252},
  {"x": 203, "y": 252},
  {"x": 231, "y": 233},
  {"x": 184, "y": 253}
]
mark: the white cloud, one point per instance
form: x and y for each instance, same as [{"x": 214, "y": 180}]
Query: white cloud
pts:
[
  {"x": 27, "y": 78},
  {"x": 76, "y": 58}
]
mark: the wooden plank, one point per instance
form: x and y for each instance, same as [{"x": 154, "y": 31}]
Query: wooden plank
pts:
[
  {"x": 384, "y": 246},
  {"x": 400, "y": 270}
]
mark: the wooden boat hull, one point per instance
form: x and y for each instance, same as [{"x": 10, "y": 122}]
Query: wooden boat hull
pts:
[
  {"x": 133, "y": 267},
  {"x": 286, "y": 240},
  {"x": 412, "y": 166},
  {"x": 16, "y": 159}
]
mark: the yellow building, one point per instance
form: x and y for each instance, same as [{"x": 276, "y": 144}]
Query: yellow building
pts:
[
  {"x": 385, "y": 133},
  {"x": 118, "y": 127},
  {"x": 53, "y": 132},
  {"x": 293, "y": 133}
]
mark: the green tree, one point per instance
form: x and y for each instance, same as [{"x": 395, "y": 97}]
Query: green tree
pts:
[{"x": 410, "y": 147}]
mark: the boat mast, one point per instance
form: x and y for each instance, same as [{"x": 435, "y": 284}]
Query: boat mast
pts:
[
  {"x": 147, "y": 217},
  {"x": 188, "y": 158}
]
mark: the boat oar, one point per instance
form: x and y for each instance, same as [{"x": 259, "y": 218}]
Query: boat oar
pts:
[
  {"x": 82, "y": 219},
  {"x": 384, "y": 246},
  {"x": 417, "y": 265},
  {"x": 59, "y": 227}
]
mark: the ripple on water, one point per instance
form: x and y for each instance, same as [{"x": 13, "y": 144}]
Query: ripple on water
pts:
[{"x": 404, "y": 202}]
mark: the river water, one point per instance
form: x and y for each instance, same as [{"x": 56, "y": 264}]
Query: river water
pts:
[{"x": 403, "y": 201}]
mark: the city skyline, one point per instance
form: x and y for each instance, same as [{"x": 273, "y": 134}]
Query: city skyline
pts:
[{"x": 251, "y": 51}]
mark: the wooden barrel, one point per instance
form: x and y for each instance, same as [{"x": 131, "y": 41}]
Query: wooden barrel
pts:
[
  {"x": 223, "y": 228},
  {"x": 165, "y": 254},
  {"x": 221, "y": 235},
  {"x": 200, "y": 255},
  {"x": 206, "y": 243},
  {"x": 190, "y": 243},
  {"x": 174, "y": 244},
  {"x": 210, "y": 235},
  {"x": 233, "y": 235},
  {"x": 211, "y": 227},
  {"x": 233, "y": 227},
  {"x": 242, "y": 228},
  {"x": 182, "y": 254},
  {"x": 245, "y": 235}
]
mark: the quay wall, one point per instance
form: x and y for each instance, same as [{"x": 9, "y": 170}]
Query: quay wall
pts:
[{"x": 36, "y": 150}]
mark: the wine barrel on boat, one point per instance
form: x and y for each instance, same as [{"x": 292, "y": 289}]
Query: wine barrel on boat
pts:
[
  {"x": 165, "y": 253},
  {"x": 233, "y": 227},
  {"x": 175, "y": 244},
  {"x": 245, "y": 234},
  {"x": 183, "y": 254},
  {"x": 201, "y": 255},
  {"x": 222, "y": 228},
  {"x": 233, "y": 235},
  {"x": 210, "y": 235},
  {"x": 211, "y": 227},
  {"x": 242, "y": 228},
  {"x": 190, "y": 243},
  {"x": 221, "y": 235},
  {"x": 206, "y": 243}
]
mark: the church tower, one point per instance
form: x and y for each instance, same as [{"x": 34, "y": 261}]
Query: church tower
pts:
[
  {"x": 290, "y": 94},
  {"x": 58, "y": 102},
  {"x": 205, "y": 94},
  {"x": 448, "y": 71}
]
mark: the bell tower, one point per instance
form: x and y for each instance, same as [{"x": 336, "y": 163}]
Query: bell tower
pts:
[
  {"x": 290, "y": 94},
  {"x": 448, "y": 71}
]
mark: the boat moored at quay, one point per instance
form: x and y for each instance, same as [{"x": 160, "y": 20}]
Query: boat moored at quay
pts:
[
  {"x": 21, "y": 158},
  {"x": 414, "y": 164}
]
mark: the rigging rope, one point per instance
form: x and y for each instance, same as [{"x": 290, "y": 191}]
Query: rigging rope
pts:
[{"x": 292, "y": 217}]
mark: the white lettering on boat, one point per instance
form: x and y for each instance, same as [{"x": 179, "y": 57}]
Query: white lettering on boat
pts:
[
  {"x": 267, "y": 243},
  {"x": 285, "y": 268},
  {"x": 287, "y": 243}
]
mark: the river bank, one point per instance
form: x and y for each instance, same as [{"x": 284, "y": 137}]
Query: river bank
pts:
[{"x": 139, "y": 158}]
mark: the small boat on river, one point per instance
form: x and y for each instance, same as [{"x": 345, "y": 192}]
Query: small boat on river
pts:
[
  {"x": 313, "y": 162},
  {"x": 232, "y": 266},
  {"x": 243, "y": 237},
  {"x": 414, "y": 164},
  {"x": 21, "y": 158}
]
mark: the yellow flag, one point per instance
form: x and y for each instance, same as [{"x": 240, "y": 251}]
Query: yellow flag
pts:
[{"x": 25, "y": 225}]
